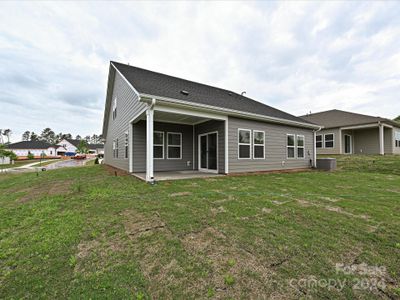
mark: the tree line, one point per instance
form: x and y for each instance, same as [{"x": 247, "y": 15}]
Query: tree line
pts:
[{"x": 49, "y": 136}]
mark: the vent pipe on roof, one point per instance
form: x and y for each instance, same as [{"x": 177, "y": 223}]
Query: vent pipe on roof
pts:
[
  {"x": 184, "y": 92},
  {"x": 244, "y": 92}
]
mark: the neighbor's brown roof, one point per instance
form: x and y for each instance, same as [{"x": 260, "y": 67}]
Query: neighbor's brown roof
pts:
[{"x": 338, "y": 118}]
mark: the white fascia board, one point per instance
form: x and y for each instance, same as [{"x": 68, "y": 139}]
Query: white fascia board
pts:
[
  {"x": 360, "y": 126},
  {"x": 226, "y": 111},
  {"x": 189, "y": 112}
]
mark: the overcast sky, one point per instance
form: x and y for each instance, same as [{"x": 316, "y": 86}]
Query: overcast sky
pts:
[{"x": 298, "y": 57}]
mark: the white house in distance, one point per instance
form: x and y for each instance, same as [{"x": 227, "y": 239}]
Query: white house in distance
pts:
[
  {"x": 37, "y": 148},
  {"x": 71, "y": 147}
]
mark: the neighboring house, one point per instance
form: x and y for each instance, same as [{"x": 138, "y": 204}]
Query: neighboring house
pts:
[
  {"x": 351, "y": 133},
  {"x": 37, "y": 148},
  {"x": 71, "y": 147},
  {"x": 97, "y": 149},
  {"x": 155, "y": 122},
  {"x": 5, "y": 160}
]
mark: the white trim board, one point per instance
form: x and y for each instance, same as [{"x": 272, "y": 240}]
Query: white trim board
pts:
[{"x": 246, "y": 115}]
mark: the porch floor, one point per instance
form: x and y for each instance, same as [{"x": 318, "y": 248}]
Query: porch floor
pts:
[{"x": 176, "y": 175}]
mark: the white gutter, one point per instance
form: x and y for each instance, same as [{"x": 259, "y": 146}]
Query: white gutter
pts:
[{"x": 232, "y": 112}]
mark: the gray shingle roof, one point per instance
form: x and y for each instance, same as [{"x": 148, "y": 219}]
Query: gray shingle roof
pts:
[
  {"x": 90, "y": 146},
  {"x": 338, "y": 118},
  {"x": 157, "y": 84},
  {"x": 96, "y": 146},
  {"x": 30, "y": 145}
]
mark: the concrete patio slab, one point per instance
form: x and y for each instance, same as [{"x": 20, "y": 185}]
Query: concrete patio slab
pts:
[{"x": 177, "y": 175}]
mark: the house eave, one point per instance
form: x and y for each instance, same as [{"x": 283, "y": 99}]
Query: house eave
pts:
[{"x": 224, "y": 111}]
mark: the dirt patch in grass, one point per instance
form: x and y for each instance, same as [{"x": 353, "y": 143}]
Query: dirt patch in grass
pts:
[
  {"x": 137, "y": 224},
  {"x": 233, "y": 272},
  {"x": 279, "y": 202},
  {"x": 230, "y": 198},
  {"x": 218, "y": 210},
  {"x": 342, "y": 211},
  {"x": 180, "y": 194},
  {"x": 97, "y": 256},
  {"x": 304, "y": 203},
  {"x": 46, "y": 189}
]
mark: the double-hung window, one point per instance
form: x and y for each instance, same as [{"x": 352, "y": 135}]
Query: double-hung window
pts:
[
  {"x": 329, "y": 140},
  {"x": 318, "y": 141},
  {"x": 174, "y": 145},
  {"x": 291, "y": 146},
  {"x": 244, "y": 143},
  {"x": 158, "y": 145},
  {"x": 397, "y": 138},
  {"x": 300, "y": 146},
  {"x": 115, "y": 151},
  {"x": 258, "y": 144},
  {"x": 126, "y": 144}
]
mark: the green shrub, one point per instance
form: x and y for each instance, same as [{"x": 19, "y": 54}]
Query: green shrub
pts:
[{"x": 30, "y": 155}]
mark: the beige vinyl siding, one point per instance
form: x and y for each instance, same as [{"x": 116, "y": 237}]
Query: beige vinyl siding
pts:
[
  {"x": 366, "y": 141},
  {"x": 389, "y": 140},
  {"x": 336, "y": 144},
  {"x": 128, "y": 106},
  {"x": 275, "y": 147}
]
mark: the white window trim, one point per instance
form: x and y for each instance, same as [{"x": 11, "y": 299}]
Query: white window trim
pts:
[
  {"x": 180, "y": 146},
  {"x": 333, "y": 141},
  {"x": 303, "y": 147},
  {"x": 126, "y": 144},
  {"x": 322, "y": 141},
  {"x": 259, "y": 145},
  {"x": 397, "y": 139},
  {"x": 116, "y": 148},
  {"x": 158, "y": 145},
  {"x": 114, "y": 109},
  {"x": 294, "y": 146},
  {"x": 245, "y": 144}
]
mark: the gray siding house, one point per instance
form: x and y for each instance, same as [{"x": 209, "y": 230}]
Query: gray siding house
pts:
[
  {"x": 155, "y": 122},
  {"x": 350, "y": 133}
]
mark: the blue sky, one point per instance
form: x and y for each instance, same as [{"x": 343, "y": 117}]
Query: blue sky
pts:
[{"x": 295, "y": 56}]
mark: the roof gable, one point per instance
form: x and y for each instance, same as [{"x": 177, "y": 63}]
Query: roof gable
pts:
[
  {"x": 157, "y": 84},
  {"x": 339, "y": 118}
]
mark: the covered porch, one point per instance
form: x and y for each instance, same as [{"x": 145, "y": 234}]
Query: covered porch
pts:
[
  {"x": 168, "y": 143},
  {"x": 367, "y": 139}
]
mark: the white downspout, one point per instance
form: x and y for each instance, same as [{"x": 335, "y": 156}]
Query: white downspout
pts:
[{"x": 315, "y": 147}]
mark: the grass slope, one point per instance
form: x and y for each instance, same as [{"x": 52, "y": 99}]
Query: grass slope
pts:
[{"x": 85, "y": 233}]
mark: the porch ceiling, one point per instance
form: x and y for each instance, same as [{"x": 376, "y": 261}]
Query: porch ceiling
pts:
[{"x": 161, "y": 116}]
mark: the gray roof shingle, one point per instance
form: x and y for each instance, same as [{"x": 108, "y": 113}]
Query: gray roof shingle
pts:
[
  {"x": 30, "y": 145},
  {"x": 338, "y": 118},
  {"x": 157, "y": 84}
]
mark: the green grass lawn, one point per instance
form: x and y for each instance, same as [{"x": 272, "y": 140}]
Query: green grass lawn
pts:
[{"x": 86, "y": 233}]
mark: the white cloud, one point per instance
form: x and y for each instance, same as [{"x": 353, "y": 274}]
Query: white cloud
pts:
[{"x": 296, "y": 56}]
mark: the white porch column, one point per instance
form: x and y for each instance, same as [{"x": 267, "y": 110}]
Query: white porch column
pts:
[
  {"x": 381, "y": 140},
  {"x": 149, "y": 144},
  {"x": 130, "y": 147}
]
